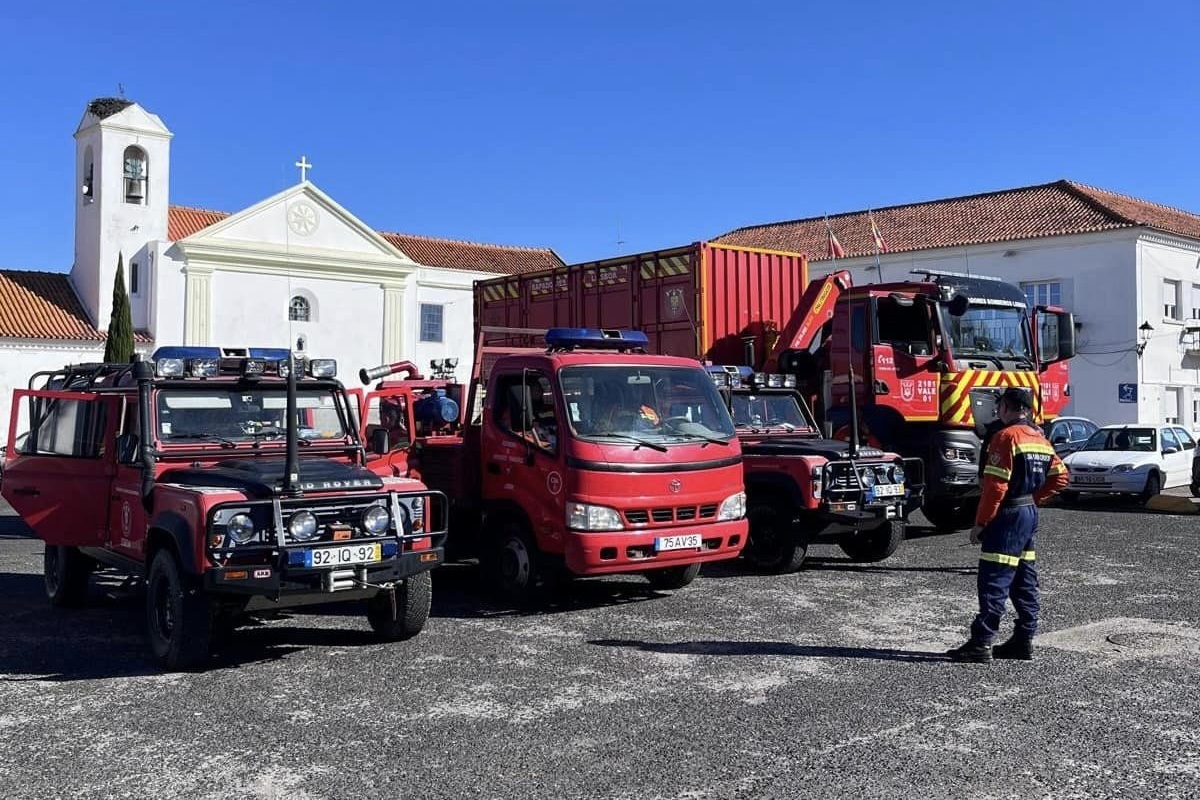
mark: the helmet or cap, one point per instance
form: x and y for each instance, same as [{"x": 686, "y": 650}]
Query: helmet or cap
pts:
[{"x": 1017, "y": 398}]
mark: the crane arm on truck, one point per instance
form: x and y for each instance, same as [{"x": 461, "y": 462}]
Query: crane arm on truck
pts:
[{"x": 815, "y": 309}]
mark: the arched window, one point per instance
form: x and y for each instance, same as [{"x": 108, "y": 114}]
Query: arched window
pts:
[
  {"x": 299, "y": 309},
  {"x": 88, "y": 185},
  {"x": 136, "y": 173}
]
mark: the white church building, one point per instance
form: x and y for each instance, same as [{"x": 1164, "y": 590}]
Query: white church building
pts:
[
  {"x": 1128, "y": 269},
  {"x": 294, "y": 270}
]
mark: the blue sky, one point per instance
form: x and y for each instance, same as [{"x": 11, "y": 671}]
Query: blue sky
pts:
[{"x": 578, "y": 125}]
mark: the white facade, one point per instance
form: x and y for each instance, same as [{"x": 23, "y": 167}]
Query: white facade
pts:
[
  {"x": 1112, "y": 282},
  {"x": 295, "y": 270}
]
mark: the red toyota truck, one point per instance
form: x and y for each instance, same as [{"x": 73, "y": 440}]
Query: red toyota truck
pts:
[{"x": 566, "y": 459}]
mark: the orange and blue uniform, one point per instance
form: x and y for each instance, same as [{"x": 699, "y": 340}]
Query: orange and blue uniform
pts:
[{"x": 1020, "y": 472}]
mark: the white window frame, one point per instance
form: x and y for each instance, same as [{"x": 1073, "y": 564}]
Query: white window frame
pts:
[
  {"x": 1175, "y": 392},
  {"x": 1040, "y": 293},
  {"x": 299, "y": 311},
  {"x": 1195, "y": 307},
  {"x": 422, "y": 334},
  {"x": 1172, "y": 307},
  {"x": 1195, "y": 410}
]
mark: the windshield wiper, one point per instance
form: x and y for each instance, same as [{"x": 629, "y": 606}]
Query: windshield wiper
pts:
[
  {"x": 209, "y": 436},
  {"x": 639, "y": 441}
]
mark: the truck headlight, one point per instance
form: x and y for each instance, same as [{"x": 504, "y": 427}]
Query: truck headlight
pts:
[
  {"x": 867, "y": 476},
  {"x": 732, "y": 507},
  {"x": 303, "y": 526},
  {"x": 584, "y": 517},
  {"x": 375, "y": 520},
  {"x": 898, "y": 474},
  {"x": 240, "y": 528}
]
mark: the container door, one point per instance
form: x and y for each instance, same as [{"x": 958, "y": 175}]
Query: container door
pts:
[{"x": 59, "y": 472}]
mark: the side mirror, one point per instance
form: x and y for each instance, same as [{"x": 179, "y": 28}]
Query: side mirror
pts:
[
  {"x": 1060, "y": 439},
  {"x": 1066, "y": 335},
  {"x": 127, "y": 448},
  {"x": 1168, "y": 451},
  {"x": 958, "y": 305},
  {"x": 379, "y": 441}
]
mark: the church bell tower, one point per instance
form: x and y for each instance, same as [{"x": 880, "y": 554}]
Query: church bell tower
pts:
[{"x": 122, "y": 169}]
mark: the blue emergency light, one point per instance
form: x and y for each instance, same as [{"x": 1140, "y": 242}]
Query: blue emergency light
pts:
[
  {"x": 199, "y": 361},
  {"x": 595, "y": 339}
]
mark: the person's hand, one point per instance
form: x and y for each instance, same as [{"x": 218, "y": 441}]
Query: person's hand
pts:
[{"x": 976, "y": 534}]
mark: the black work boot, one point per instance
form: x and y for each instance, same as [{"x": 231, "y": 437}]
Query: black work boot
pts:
[
  {"x": 972, "y": 652},
  {"x": 1018, "y": 648}
]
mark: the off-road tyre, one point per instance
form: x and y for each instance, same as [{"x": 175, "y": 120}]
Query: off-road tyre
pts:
[
  {"x": 406, "y": 616},
  {"x": 876, "y": 544},
  {"x": 66, "y": 571},
  {"x": 673, "y": 577},
  {"x": 949, "y": 517},
  {"x": 179, "y": 619},
  {"x": 512, "y": 563},
  {"x": 1153, "y": 486},
  {"x": 775, "y": 545}
]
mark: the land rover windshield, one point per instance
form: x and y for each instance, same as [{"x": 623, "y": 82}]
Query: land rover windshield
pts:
[
  {"x": 239, "y": 414},
  {"x": 659, "y": 404}
]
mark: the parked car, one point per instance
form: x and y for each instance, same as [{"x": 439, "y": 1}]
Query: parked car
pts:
[
  {"x": 1131, "y": 459},
  {"x": 1068, "y": 434}
]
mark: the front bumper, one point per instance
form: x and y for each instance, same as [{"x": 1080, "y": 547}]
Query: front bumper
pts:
[
  {"x": 1109, "y": 483},
  {"x": 609, "y": 552},
  {"x": 277, "y": 578},
  {"x": 862, "y": 517}
]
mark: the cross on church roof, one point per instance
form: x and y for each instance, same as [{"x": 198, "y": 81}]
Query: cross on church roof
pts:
[{"x": 304, "y": 168}]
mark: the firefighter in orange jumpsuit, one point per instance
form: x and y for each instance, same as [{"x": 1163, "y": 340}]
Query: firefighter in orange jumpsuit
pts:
[{"x": 1021, "y": 471}]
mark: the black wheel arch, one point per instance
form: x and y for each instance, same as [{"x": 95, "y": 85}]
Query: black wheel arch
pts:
[
  {"x": 773, "y": 489},
  {"x": 170, "y": 529}
]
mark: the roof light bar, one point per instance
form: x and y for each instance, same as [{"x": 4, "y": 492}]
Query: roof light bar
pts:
[{"x": 595, "y": 339}]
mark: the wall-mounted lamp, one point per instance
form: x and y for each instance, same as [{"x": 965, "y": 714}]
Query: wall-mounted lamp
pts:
[{"x": 1144, "y": 331}]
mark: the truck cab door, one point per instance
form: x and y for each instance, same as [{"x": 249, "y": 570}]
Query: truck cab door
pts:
[
  {"x": 521, "y": 452},
  {"x": 59, "y": 472},
  {"x": 127, "y": 514}
]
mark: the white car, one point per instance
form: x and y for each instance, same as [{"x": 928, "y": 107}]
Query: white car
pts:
[{"x": 1131, "y": 459}]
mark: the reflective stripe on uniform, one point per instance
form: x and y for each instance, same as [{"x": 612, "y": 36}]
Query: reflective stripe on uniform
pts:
[
  {"x": 1057, "y": 469},
  {"x": 1001, "y": 558},
  {"x": 1033, "y": 447},
  {"x": 997, "y": 472},
  {"x": 1028, "y": 555}
]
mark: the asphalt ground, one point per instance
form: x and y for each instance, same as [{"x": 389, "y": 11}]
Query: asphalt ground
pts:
[{"x": 825, "y": 683}]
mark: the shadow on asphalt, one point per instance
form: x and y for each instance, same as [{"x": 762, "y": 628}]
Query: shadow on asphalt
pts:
[{"x": 727, "y": 648}]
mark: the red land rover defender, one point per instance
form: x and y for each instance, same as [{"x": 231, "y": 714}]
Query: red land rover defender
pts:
[{"x": 229, "y": 482}]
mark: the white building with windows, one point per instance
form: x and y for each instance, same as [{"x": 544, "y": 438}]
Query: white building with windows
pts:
[
  {"x": 294, "y": 270},
  {"x": 1127, "y": 268}
]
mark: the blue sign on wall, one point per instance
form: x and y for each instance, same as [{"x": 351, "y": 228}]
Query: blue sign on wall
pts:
[{"x": 1126, "y": 392}]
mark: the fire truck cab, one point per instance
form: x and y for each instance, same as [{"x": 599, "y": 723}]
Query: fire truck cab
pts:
[
  {"x": 573, "y": 459},
  {"x": 229, "y": 481}
]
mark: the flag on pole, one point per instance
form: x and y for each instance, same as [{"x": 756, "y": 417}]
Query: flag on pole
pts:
[
  {"x": 880, "y": 244},
  {"x": 833, "y": 248}
]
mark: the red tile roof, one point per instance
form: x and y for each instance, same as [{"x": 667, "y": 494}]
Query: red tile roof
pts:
[
  {"x": 42, "y": 305},
  {"x": 453, "y": 254},
  {"x": 1053, "y": 209},
  {"x": 183, "y": 221}
]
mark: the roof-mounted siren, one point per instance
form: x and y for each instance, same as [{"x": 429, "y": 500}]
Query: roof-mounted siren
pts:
[
  {"x": 206, "y": 362},
  {"x": 595, "y": 339}
]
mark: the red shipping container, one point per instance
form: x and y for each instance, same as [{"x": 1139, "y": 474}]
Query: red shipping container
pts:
[{"x": 697, "y": 301}]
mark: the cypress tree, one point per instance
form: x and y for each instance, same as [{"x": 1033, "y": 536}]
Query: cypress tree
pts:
[{"x": 118, "y": 344}]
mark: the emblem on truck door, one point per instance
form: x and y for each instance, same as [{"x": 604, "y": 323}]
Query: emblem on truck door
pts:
[{"x": 675, "y": 486}]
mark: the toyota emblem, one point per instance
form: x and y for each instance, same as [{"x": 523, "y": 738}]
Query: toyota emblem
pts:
[{"x": 674, "y": 486}]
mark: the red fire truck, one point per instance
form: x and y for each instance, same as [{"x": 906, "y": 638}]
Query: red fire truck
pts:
[
  {"x": 574, "y": 458},
  {"x": 927, "y": 367},
  {"x": 227, "y": 481}
]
